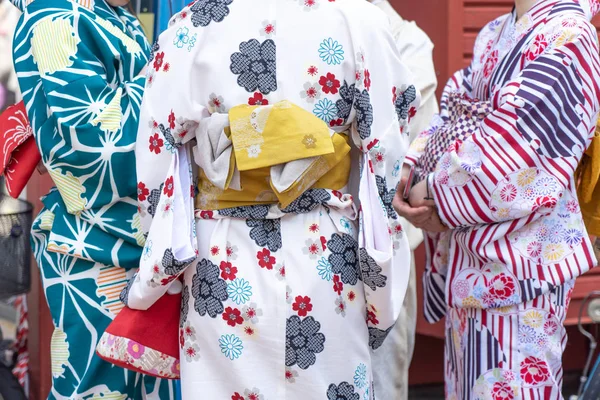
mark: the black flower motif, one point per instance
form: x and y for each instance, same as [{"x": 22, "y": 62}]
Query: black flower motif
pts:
[
  {"x": 403, "y": 102},
  {"x": 377, "y": 336},
  {"x": 206, "y": 11},
  {"x": 246, "y": 212},
  {"x": 124, "y": 295},
  {"x": 185, "y": 304},
  {"x": 256, "y": 65},
  {"x": 265, "y": 233},
  {"x": 343, "y": 391},
  {"x": 387, "y": 196},
  {"x": 308, "y": 201},
  {"x": 371, "y": 271},
  {"x": 364, "y": 113},
  {"x": 166, "y": 131},
  {"x": 302, "y": 341},
  {"x": 154, "y": 198},
  {"x": 172, "y": 266},
  {"x": 344, "y": 104},
  {"x": 155, "y": 48},
  {"x": 344, "y": 257},
  {"x": 208, "y": 289}
]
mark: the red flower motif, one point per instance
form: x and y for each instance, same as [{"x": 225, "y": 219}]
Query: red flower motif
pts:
[
  {"x": 372, "y": 144},
  {"x": 156, "y": 143},
  {"x": 502, "y": 391},
  {"x": 142, "y": 191},
  {"x": 312, "y": 70},
  {"x": 183, "y": 15},
  {"x": 228, "y": 271},
  {"x": 233, "y": 316},
  {"x": 324, "y": 243},
  {"x": 351, "y": 295},
  {"x": 546, "y": 202},
  {"x": 490, "y": 63},
  {"x": 372, "y": 318},
  {"x": 265, "y": 259},
  {"x": 302, "y": 305},
  {"x": 336, "y": 122},
  {"x": 329, "y": 84},
  {"x": 411, "y": 113},
  {"x": 269, "y": 29},
  {"x": 338, "y": 286},
  {"x": 158, "y": 60},
  {"x": 534, "y": 249},
  {"x": 215, "y": 250},
  {"x": 508, "y": 193},
  {"x": 206, "y": 214},
  {"x": 169, "y": 187},
  {"x": 181, "y": 338},
  {"x": 367, "y": 79},
  {"x": 172, "y": 120},
  {"x": 502, "y": 286},
  {"x": 314, "y": 228},
  {"x": 237, "y": 396},
  {"x": 534, "y": 371},
  {"x": 258, "y": 100},
  {"x": 167, "y": 67},
  {"x": 537, "y": 47},
  {"x": 248, "y": 330},
  {"x": 550, "y": 328}
]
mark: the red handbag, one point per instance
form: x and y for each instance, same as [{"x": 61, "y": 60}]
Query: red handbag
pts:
[
  {"x": 19, "y": 155},
  {"x": 145, "y": 341}
]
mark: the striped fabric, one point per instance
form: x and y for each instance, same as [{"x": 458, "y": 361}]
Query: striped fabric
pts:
[
  {"x": 508, "y": 193},
  {"x": 52, "y": 58},
  {"x": 111, "y": 281},
  {"x": 110, "y": 118}
]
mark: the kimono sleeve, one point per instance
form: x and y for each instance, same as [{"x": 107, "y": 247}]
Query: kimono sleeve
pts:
[
  {"x": 87, "y": 128},
  {"x": 169, "y": 117},
  {"x": 383, "y": 104},
  {"x": 458, "y": 82},
  {"x": 523, "y": 157}
]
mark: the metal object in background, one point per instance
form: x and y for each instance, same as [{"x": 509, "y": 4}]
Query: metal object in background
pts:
[{"x": 16, "y": 217}]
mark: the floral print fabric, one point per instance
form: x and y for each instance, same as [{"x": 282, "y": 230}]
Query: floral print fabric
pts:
[
  {"x": 508, "y": 353},
  {"x": 277, "y": 294},
  {"x": 508, "y": 192}
]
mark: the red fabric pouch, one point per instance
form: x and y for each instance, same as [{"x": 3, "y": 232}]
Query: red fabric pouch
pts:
[{"x": 145, "y": 341}]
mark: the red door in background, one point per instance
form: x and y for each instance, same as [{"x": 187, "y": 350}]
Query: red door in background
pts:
[{"x": 452, "y": 25}]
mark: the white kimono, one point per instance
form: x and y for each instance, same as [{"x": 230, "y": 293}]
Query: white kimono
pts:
[{"x": 277, "y": 303}]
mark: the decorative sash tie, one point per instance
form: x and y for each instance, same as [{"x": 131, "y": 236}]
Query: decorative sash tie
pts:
[{"x": 266, "y": 155}]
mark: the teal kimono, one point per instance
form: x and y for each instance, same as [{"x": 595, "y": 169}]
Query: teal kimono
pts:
[{"x": 80, "y": 69}]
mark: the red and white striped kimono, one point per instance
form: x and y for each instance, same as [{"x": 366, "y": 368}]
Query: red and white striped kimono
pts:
[{"x": 504, "y": 274}]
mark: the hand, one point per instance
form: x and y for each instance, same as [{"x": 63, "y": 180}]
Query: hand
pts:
[
  {"x": 418, "y": 194},
  {"x": 434, "y": 224},
  {"x": 41, "y": 168},
  {"x": 414, "y": 215}
]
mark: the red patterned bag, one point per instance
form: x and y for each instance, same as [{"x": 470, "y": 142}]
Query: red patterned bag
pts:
[{"x": 19, "y": 155}]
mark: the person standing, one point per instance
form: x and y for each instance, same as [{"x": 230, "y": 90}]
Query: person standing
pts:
[
  {"x": 288, "y": 285},
  {"x": 513, "y": 128},
  {"x": 392, "y": 360},
  {"x": 80, "y": 66}
]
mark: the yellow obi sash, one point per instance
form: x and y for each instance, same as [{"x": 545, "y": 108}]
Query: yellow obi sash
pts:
[{"x": 271, "y": 144}]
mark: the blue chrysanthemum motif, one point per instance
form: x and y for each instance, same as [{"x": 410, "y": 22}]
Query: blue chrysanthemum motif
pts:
[
  {"x": 231, "y": 346},
  {"x": 360, "y": 376},
  {"x": 331, "y": 52},
  {"x": 324, "y": 268},
  {"x": 239, "y": 291},
  {"x": 326, "y": 110}
]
